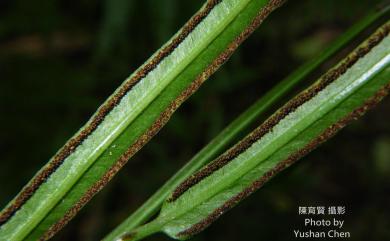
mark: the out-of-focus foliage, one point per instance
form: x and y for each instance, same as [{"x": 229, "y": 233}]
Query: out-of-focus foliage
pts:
[{"x": 60, "y": 59}]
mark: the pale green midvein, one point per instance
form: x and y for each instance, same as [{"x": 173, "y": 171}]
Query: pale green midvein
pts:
[
  {"x": 358, "y": 75},
  {"x": 51, "y": 192}
]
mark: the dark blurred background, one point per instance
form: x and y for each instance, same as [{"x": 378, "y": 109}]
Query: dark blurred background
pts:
[{"x": 60, "y": 59}]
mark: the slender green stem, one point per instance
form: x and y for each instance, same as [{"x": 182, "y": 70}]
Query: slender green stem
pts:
[
  {"x": 227, "y": 136},
  {"x": 143, "y": 231}
]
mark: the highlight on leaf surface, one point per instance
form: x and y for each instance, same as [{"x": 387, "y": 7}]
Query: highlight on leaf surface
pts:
[
  {"x": 341, "y": 95},
  {"x": 130, "y": 118}
]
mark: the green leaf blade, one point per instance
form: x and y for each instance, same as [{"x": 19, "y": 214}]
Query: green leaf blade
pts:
[
  {"x": 241, "y": 123},
  {"x": 244, "y": 186},
  {"x": 129, "y": 118},
  {"x": 343, "y": 94},
  {"x": 305, "y": 142}
]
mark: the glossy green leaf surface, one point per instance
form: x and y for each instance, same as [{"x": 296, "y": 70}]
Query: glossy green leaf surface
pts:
[
  {"x": 130, "y": 117},
  {"x": 345, "y": 93}
]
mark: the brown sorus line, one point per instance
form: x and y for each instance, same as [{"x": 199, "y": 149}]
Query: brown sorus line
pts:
[
  {"x": 102, "y": 112},
  {"x": 291, "y": 106},
  {"x": 328, "y": 133},
  {"x": 163, "y": 119}
]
